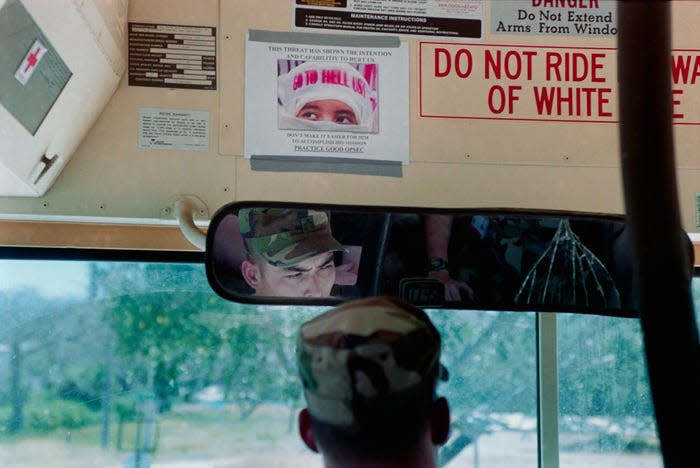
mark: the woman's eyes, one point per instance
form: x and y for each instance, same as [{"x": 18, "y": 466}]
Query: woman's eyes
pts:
[
  {"x": 342, "y": 119},
  {"x": 309, "y": 115}
]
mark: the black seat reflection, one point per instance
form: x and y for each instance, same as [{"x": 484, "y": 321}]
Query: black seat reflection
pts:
[{"x": 371, "y": 232}]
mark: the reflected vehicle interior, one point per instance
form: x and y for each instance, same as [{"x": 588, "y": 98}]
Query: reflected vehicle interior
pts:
[{"x": 508, "y": 259}]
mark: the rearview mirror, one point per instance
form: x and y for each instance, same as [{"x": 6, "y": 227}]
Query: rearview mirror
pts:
[{"x": 493, "y": 259}]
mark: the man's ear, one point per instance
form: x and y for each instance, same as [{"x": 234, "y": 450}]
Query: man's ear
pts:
[
  {"x": 440, "y": 421},
  {"x": 305, "y": 430},
  {"x": 251, "y": 273}
]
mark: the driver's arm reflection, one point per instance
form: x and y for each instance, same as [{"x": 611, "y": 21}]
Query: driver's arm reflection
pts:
[{"x": 438, "y": 230}]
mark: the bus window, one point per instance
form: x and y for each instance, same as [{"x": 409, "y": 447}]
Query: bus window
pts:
[{"x": 109, "y": 362}]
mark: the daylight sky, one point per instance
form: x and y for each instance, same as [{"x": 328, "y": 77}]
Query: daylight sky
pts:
[{"x": 52, "y": 279}]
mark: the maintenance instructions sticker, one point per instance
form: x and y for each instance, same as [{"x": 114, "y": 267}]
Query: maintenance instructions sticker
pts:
[
  {"x": 169, "y": 56},
  {"x": 322, "y": 95},
  {"x": 442, "y": 18},
  {"x": 173, "y": 129}
]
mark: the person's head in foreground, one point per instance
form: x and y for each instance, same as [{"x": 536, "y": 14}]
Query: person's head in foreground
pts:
[
  {"x": 325, "y": 96},
  {"x": 369, "y": 369},
  {"x": 289, "y": 252}
]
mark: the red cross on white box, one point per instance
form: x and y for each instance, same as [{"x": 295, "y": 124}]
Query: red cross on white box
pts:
[{"x": 30, "y": 62}]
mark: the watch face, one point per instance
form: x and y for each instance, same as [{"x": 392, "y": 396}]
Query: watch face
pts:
[{"x": 437, "y": 264}]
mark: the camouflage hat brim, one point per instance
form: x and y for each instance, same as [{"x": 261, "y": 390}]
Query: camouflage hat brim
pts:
[
  {"x": 302, "y": 247},
  {"x": 286, "y": 237}
]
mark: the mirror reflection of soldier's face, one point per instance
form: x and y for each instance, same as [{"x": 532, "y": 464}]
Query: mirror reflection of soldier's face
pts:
[
  {"x": 331, "y": 110},
  {"x": 313, "y": 277}
]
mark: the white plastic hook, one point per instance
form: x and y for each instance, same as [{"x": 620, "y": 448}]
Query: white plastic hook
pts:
[{"x": 186, "y": 207}]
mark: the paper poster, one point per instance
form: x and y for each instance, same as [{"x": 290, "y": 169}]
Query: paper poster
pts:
[{"x": 326, "y": 96}]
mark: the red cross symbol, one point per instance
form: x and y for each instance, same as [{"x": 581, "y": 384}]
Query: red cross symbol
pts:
[
  {"x": 30, "y": 62},
  {"x": 32, "y": 59}
]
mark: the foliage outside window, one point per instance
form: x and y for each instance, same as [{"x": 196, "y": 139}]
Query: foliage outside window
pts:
[{"x": 116, "y": 360}]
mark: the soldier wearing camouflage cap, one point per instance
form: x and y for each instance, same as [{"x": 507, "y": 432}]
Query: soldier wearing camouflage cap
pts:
[
  {"x": 289, "y": 251},
  {"x": 369, "y": 369}
]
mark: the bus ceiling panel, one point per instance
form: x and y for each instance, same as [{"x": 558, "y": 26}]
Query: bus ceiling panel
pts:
[{"x": 461, "y": 153}]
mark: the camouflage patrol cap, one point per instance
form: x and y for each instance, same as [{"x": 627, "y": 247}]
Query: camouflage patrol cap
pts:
[
  {"x": 285, "y": 237},
  {"x": 368, "y": 355}
]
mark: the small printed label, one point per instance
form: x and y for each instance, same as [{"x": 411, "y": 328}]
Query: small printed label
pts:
[
  {"x": 169, "y": 56},
  {"x": 30, "y": 62},
  {"x": 173, "y": 129}
]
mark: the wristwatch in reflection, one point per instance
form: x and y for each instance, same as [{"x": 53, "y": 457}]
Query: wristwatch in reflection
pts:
[{"x": 437, "y": 264}]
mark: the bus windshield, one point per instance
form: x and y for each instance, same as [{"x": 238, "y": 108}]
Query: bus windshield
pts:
[{"x": 111, "y": 362}]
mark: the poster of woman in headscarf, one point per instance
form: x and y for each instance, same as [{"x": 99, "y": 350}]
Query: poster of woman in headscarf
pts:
[
  {"x": 327, "y": 96},
  {"x": 326, "y": 102}
]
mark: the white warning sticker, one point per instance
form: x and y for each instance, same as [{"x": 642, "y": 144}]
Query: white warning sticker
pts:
[{"x": 173, "y": 129}]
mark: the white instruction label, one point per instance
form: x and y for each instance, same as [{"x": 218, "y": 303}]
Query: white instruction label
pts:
[{"x": 173, "y": 129}]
